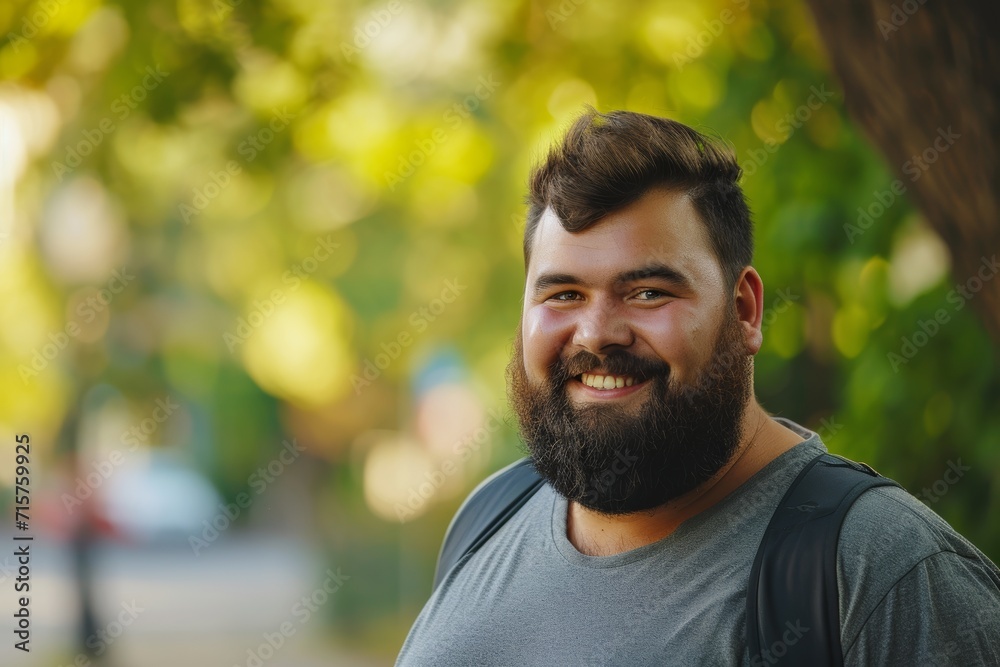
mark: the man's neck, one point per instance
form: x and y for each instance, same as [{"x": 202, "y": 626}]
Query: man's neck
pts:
[{"x": 596, "y": 534}]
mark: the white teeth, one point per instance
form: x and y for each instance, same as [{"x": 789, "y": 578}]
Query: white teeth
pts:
[{"x": 607, "y": 381}]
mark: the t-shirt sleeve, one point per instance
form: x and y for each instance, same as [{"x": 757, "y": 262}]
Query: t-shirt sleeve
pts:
[
  {"x": 942, "y": 612},
  {"x": 913, "y": 591}
]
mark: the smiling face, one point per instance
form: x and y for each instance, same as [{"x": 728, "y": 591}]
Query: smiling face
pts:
[
  {"x": 631, "y": 369},
  {"x": 643, "y": 279}
]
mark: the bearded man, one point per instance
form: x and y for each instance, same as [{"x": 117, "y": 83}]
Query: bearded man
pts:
[{"x": 632, "y": 381}]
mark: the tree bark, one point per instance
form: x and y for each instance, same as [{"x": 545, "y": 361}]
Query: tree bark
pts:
[{"x": 914, "y": 72}]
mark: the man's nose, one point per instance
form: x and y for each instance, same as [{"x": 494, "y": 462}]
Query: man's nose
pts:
[{"x": 601, "y": 325}]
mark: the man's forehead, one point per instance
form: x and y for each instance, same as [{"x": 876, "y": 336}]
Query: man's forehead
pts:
[{"x": 662, "y": 228}]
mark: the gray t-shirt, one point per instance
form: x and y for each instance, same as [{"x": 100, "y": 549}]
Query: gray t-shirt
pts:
[{"x": 912, "y": 591}]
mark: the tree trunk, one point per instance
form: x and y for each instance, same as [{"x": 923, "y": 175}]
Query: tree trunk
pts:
[{"x": 918, "y": 74}]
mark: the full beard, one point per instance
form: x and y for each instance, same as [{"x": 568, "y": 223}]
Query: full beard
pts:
[{"x": 616, "y": 460}]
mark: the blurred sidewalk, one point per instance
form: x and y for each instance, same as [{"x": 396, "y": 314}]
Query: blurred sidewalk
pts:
[{"x": 166, "y": 607}]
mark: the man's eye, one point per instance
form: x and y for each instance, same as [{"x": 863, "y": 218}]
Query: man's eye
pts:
[
  {"x": 650, "y": 294},
  {"x": 564, "y": 296}
]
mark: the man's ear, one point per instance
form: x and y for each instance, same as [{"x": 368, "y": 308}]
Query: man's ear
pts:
[{"x": 748, "y": 296}]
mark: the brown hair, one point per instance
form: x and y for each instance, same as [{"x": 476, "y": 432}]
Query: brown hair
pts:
[{"x": 607, "y": 161}]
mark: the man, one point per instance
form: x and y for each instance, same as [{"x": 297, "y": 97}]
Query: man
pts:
[{"x": 632, "y": 380}]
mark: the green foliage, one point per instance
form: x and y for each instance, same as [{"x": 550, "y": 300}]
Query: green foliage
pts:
[{"x": 411, "y": 145}]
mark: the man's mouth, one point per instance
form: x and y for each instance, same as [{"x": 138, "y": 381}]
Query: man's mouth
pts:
[{"x": 607, "y": 381}]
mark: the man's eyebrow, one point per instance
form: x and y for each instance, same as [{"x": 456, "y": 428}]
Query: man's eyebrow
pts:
[
  {"x": 655, "y": 270},
  {"x": 547, "y": 280}
]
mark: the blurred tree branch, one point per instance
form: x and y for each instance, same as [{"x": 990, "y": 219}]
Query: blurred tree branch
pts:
[{"x": 913, "y": 71}]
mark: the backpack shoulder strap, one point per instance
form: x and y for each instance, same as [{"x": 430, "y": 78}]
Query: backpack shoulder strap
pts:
[
  {"x": 486, "y": 509},
  {"x": 792, "y": 600}
]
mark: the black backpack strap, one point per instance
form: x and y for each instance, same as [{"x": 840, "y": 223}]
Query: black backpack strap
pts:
[
  {"x": 793, "y": 611},
  {"x": 487, "y": 508}
]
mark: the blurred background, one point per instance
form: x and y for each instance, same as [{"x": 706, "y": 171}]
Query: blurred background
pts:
[{"x": 260, "y": 269}]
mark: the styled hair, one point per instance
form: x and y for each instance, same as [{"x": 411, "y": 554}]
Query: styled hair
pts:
[{"x": 608, "y": 161}]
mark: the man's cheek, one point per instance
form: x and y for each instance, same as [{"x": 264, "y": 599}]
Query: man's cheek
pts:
[{"x": 545, "y": 332}]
